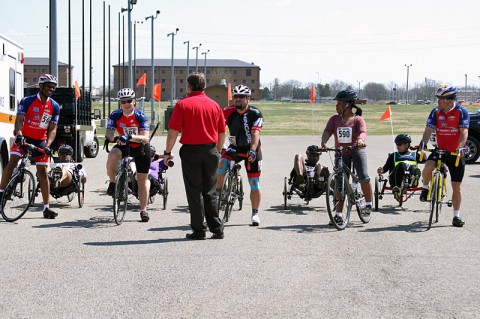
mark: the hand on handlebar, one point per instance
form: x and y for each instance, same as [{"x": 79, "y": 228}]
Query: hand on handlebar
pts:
[
  {"x": 19, "y": 139},
  {"x": 461, "y": 151},
  {"x": 48, "y": 151},
  {"x": 123, "y": 139},
  {"x": 252, "y": 156},
  {"x": 360, "y": 143},
  {"x": 422, "y": 146}
]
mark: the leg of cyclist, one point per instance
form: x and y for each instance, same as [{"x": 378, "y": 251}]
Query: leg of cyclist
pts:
[
  {"x": 426, "y": 178},
  {"x": 67, "y": 177},
  {"x": 299, "y": 168},
  {"x": 456, "y": 175},
  {"x": 142, "y": 162},
  {"x": 8, "y": 171},
  {"x": 221, "y": 170},
  {"x": 112, "y": 164},
  {"x": 253, "y": 174},
  {"x": 359, "y": 158},
  {"x": 42, "y": 168}
]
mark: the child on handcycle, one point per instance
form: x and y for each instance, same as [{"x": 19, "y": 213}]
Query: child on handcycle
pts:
[
  {"x": 301, "y": 167},
  {"x": 65, "y": 170},
  {"x": 157, "y": 166},
  {"x": 404, "y": 160}
]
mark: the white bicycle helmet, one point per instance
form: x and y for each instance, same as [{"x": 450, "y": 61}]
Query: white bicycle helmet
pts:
[
  {"x": 242, "y": 90},
  {"x": 47, "y": 78},
  {"x": 126, "y": 93},
  {"x": 65, "y": 149}
]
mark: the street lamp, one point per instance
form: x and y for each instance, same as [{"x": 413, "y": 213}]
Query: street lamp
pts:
[
  {"x": 172, "y": 80},
  {"x": 135, "y": 48},
  {"x": 205, "y": 64},
  {"x": 465, "y": 88},
  {"x": 129, "y": 9},
  {"x": 196, "y": 56},
  {"x": 188, "y": 55},
  {"x": 408, "y": 71},
  {"x": 152, "y": 71},
  {"x": 359, "y": 87}
]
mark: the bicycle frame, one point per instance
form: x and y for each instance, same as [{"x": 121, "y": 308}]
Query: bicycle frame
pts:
[{"x": 232, "y": 185}]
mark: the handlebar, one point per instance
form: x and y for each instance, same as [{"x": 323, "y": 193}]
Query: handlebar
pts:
[
  {"x": 233, "y": 153},
  {"x": 441, "y": 152},
  {"x": 106, "y": 142},
  {"x": 342, "y": 148}
]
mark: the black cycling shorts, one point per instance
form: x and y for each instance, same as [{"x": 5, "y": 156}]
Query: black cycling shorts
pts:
[
  {"x": 141, "y": 161},
  {"x": 456, "y": 172}
]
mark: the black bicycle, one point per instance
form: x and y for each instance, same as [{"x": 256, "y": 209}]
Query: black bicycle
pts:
[
  {"x": 232, "y": 186},
  {"x": 20, "y": 191},
  {"x": 343, "y": 195}
]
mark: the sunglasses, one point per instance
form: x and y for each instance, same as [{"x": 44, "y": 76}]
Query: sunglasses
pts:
[
  {"x": 126, "y": 101},
  {"x": 239, "y": 96}
]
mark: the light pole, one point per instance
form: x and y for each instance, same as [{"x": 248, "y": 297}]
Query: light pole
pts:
[
  {"x": 188, "y": 57},
  {"x": 172, "y": 80},
  {"x": 129, "y": 8},
  {"x": 205, "y": 64},
  {"x": 152, "y": 69},
  {"x": 135, "y": 48},
  {"x": 359, "y": 87},
  {"x": 465, "y": 88},
  {"x": 408, "y": 72},
  {"x": 196, "y": 56}
]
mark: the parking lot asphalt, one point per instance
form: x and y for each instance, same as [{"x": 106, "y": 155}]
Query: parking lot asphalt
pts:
[{"x": 81, "y": 265}]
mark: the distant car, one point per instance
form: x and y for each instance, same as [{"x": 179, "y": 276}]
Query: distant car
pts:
[
  {"x": 419, "y": 102},
  {"x": 361, "y": 101},
  {"x": 392, "y": 103}
]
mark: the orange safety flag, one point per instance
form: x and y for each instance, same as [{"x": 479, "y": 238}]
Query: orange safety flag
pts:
[
  {"x": 312, "y": 94},
  {"x": 157, "y": 92},
  {"x": 77, "y": 90},
  {"x": 142, "y": 80},
  {"x": 387, "y": 114},
  {"x": 229, "y": 93}
]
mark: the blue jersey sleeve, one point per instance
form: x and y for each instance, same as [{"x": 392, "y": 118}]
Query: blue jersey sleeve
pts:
[
  {"x": 432, "y": 118},
  {"x": 112, "y": 120},
  {"x": 464, "y": 118},
  {"x": 56, "y": 113},
  {"x": 142, "y": 120},
  {"x": 25, "y": 104}
]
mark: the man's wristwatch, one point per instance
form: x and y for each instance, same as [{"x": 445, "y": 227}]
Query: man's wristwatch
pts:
[{"x": 167, "y": 153}]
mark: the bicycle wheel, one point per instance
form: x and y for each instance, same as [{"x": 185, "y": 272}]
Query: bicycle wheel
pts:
[
  {"x": 81, "y": 193},
  {"x": 34, "y": 192},
  {"x": 359, "y": 198},
  {"x": 376, "y": 194},
  {"x": 433, "y": 199},
  {"x": 18, "y": 195},
  {"x": 224, "y": 205},
  {"x": 441, "y": 193},
  {"x": 240, "y": 193},
  {"x": 165, "y": 193},
  {"x": 120, "y": 197},
  {"x": 338, "y": 199},
  {"x": 285, "y": 193}
]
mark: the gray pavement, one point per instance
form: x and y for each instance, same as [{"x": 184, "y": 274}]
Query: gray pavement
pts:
[{"x": 81, "y": 265}]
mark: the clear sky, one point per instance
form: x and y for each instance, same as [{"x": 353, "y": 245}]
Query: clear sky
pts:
[{"x": 305, "y": 40}]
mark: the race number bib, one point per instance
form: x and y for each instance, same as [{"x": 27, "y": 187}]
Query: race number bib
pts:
[
  {"x": 45, "y": 120},
  {"x": 344, "y": 134},
  {"x": 130, "y": 130}
]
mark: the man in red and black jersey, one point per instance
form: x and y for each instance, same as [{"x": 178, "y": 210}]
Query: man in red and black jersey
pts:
[
  {"x": 132, "y": 125},
  {"x": 36, "y": 123},
  {"x": 245, "y": 123},
  {"x": 450, "y": 122}
]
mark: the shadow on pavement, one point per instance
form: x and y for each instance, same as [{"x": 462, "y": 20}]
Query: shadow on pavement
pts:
[{"x": 136, "y": 242}]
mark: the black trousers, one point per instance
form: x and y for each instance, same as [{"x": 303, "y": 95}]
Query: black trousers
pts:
[
  {"x": 398, "y": 172},
  {"x": 199, "y": 168}
]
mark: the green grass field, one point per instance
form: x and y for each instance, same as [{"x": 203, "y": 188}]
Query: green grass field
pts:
[{"x": 307, "y": 119}]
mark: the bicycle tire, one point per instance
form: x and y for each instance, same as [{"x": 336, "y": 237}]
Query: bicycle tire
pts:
[
  {"x": 240, "y": 193},
  {"x": 433, "y": 200},
  {"x": 332, "y": 202},
  {"x": 376, "y": 194},
  {"x": 18, "y": 195},
  {"x": 165, "y": 193},
  {"x": 120, "y": 197},
  {"x": 441, "y": 187},
  {"x": 224, "y": 205},
  {"x": 81, "y": 194},
  {"x": 285, "y": 193}
]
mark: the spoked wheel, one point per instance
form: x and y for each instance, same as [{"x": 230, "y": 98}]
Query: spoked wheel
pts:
[
  {"x": 363, "y": 213},
  {"x": 441, "y": 190},
  {"x": 376, "y": 194},
  {"x": 18, "y": 196},
  {"x": 224, "y": 206},
  {"x": 120, "y": 197},
  {"x": 433, "y": 201},
  {"x": 240, "y": 193},
  {"x": 35, "y": 192},
  {"x": 285, "y": 195},
  {"x": 81, "y": 194},
  {"x": 165, "y": 193},
  {"x": 337, "y": 196}
]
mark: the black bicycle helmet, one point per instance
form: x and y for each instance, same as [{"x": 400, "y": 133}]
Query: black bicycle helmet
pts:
[
  {"x": 346, "y": 95},
  {"x": 65, "y": 149},
  {"x": 403, "y": 138},
  {"x": 313, "y": 149}
]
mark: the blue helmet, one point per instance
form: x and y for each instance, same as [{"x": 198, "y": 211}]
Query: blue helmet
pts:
[{"x": 446, "y": 92}]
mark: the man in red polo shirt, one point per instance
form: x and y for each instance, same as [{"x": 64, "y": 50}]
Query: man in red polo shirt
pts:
[{"x": 201, "y": 121}]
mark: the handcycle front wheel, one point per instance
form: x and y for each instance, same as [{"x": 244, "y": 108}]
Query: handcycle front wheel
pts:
[
  {"x": 120, "y": 197},
  {"x": 338, "y": 199},
  {"x": 285, "y": 193},
  {"x": 165, "y": 193},
  {"x": 18, "y": 196},
  {"x": 376, "y": 194},
  {"x": 81, "y": 193}
]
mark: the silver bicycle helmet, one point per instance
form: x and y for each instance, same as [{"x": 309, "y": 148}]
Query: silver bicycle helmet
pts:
[
  {"x": 47, "y": 78},
  {"x": 242, "y": 90},
  {"x": 126, "y": 93}
]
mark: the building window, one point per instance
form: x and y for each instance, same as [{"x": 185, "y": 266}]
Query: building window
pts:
[
  {"x": 181, "y": 90},
  {"x": 163, "y": 71},
  {"x": 235, "y": 81},
  {"x": 234, "y": 71},
  {"x": 44, "y": 70},
  {"x": 253, "y": 81},
  {"x": 248, "y": 72},
  {"x": 181, "y": 71},
  {"x": 163, "y": 90},
  {"x": 181, "y": 80},
  {"x": 244, "y": 81},
  {"x": 34, "y": 70},
  {"x": 208, "y": 71},
  {"x": 163, "y": 80},
  {"x": 208, "y": 81},
  {"x": 34, "y": 80},
  {"x": 253, "y": 90}
]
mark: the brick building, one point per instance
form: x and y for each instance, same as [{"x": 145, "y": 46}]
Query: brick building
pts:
[
  {"x": 233, "y": 71},
  {"x": 34, "y": 67}
]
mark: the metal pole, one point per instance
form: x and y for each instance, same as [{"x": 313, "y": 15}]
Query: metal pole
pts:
[
  {"x": 69, "y": 79},
  {"x": 196, "y": 56},
  {"x": 408, "y": 71},
  {"x": 83, "y": 46},
  {"x": 188, "y": 59},
  {"x": 103, "y": 113},
  {"x": 172, "y": 76},
  {"x": 123, "y": 51},
  {"x": 130, "y": 76},
  {"x": 205, "y": 64},
  {"x": 118, "y": 68},
  {"x": 90, "y": 57},
  {"x": 135, "y": 50},
  {"x": 53, "y": 38},
  {"x": 465, "y": 88},
  {"x": 152, "y": 70},
  {"x": 109, "y": 62}
]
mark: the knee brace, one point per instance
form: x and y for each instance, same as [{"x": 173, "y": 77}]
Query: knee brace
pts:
[
  {"x": 254, "y": 183},
  {"x": 222, "y": 166}
]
